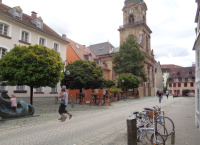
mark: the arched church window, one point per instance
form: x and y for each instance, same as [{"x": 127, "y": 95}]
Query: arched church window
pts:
[
  {"x": 147, "y": 44},
  {"x": 131, "y": 19}
]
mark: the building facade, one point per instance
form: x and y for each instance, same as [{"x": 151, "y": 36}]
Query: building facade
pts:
[
  {"x": 166, "y": 68},
  {"x": 196, "y": 48},
  {"x": 19, "y": 28},
  {"x": 181, "y": 79},
  {"x": 76, "y": 51},
  {"x": 135, "y": 25},
  {"x": 105, "y": 52}
]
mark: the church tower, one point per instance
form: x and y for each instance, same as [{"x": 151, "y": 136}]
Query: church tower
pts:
[{"x": 135, "y": 25}]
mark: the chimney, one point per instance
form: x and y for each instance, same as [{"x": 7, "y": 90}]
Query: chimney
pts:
[
  {"x": 34, "y": 15},
  {"x": 63, "y": 35}
]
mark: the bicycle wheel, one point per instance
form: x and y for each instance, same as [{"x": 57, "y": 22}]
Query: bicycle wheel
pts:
[
  {"x": 157, "y": 140},
  {"x": 162, "y": 130},
  {"x": 167, "y": 122}
]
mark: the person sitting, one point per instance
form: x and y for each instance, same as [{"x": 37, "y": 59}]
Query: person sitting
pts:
[{"x": 92, "y": 99}]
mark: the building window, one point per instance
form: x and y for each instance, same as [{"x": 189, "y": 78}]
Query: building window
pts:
[
  {"x": 185, "y": 84},
  {"x": 25, "y": 36},
  {"x": 89, "y": 57},
  {"x": 191, "y": 84},
  {"x": 42, "y": 41},
  {"x": 180, "y": 79},
  {"x": 174, "y": 84},
  {"x": 186, "y": 79},
  {"x": 131, "y": 19},
  {"x": 140, "y": 39},
  {"x": 179, "y": 84},
  {"x": 40, "y": 89},
  {"x": 2, "y": 52},
  {"x": 147, "y": 44},
  {"x": 39, "y": 24},
  {"x": 4, "y": 29},
  {"x": 105, "y": 75},
  {"x": 20, "y": 87},
  {"x": 170, "y": 85},
  {"x": 56, "y": 47},
  {"x": 53, "y": 90}
]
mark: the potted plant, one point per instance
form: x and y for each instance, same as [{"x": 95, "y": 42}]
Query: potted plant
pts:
[{"x": 115, "y": 91}]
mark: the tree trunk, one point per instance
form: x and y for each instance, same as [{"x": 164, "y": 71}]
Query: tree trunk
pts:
[
  {"x": 80, "y": 89},
  {"x": 31, "y": 95}
]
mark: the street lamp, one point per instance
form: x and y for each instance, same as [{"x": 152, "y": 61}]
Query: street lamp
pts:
[{"x": 67, "y": 72}]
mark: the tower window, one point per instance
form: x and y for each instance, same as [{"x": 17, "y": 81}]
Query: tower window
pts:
[{"x": 131, "y": 19}]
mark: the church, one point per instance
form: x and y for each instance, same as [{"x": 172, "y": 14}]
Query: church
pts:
[{"x": 134, "y": 25}]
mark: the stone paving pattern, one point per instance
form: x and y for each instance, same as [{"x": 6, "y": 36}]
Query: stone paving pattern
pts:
[{"x": 95, "y": 125}]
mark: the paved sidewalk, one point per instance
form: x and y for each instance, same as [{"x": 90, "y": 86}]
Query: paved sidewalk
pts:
[
  {"x": 96, "y": 125},
  {"x": 182, "y": 113}
]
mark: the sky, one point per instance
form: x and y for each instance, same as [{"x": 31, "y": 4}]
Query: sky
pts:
[{"x": 95, "y": 21}]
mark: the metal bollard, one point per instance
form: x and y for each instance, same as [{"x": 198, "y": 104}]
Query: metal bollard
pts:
[
  {"x": 131, "y": 131},
  {"x": 72, "y": 101},
  {"x": 173, "y": 137}
]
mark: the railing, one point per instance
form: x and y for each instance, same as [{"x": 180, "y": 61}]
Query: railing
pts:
[{"x": 132, "y": 24}]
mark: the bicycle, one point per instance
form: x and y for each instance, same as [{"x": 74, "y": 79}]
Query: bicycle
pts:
[
  {"x": 143, "y": 129},
  {"x": 166, "y": 121}
]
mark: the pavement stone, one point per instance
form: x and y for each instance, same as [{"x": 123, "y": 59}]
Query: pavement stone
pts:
[{"x": 94, "y": 125}]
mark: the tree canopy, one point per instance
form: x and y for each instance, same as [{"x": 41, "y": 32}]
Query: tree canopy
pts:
[
  {"x": 33, "y": 65},
  {"x": 130, "y": 59},
  {"x": 83, "y": 74},
  {"x": 128, "y": 81}
]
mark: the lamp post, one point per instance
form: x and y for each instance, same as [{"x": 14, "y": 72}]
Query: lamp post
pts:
[{"x": 67, "y": 72}]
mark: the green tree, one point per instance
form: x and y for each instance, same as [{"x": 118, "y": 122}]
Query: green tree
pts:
[
  {"x": 129, "y": 59},
  {"x": 83, "y": 74},
  {"x": 128, "y": 81},
  {"x": 33, "y": 65}
]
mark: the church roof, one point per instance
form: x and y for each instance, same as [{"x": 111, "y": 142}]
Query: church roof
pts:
[{"x": 126, "y": 1}]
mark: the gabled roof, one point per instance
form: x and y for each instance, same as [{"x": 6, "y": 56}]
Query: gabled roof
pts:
[
  {"x": 26, "y": 20},
  {"x": 102, "y": 48},
  {"x": 169, "y": 66},
  {"x": 82, "y": 51},
  {"x": 184, "y": 72}
]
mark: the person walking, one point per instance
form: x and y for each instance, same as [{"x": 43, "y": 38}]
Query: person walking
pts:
[
  {"x": 167, "y": 93},
  {"x": 159, "y": 93},
  {"x": 63, "y": 104}
]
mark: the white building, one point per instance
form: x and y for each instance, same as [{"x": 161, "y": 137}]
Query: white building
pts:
[
  {"x": 22, "y": 29},
  {"x": 196, "y": 48}
]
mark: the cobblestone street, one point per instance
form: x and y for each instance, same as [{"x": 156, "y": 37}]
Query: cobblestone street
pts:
[{"x": 91, "y": 125}]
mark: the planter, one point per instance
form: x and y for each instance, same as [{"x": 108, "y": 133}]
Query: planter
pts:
[{"x": 114, "y": 99}]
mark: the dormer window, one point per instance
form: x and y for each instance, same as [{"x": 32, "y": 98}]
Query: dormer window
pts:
[
  {"x": 37, "y": 20},
  {"x": 98, "y": 61},
  {"x": 88, "y": 56},
  {"x": 39, "y": 24},
  {"x": 16, "y": 12}
]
